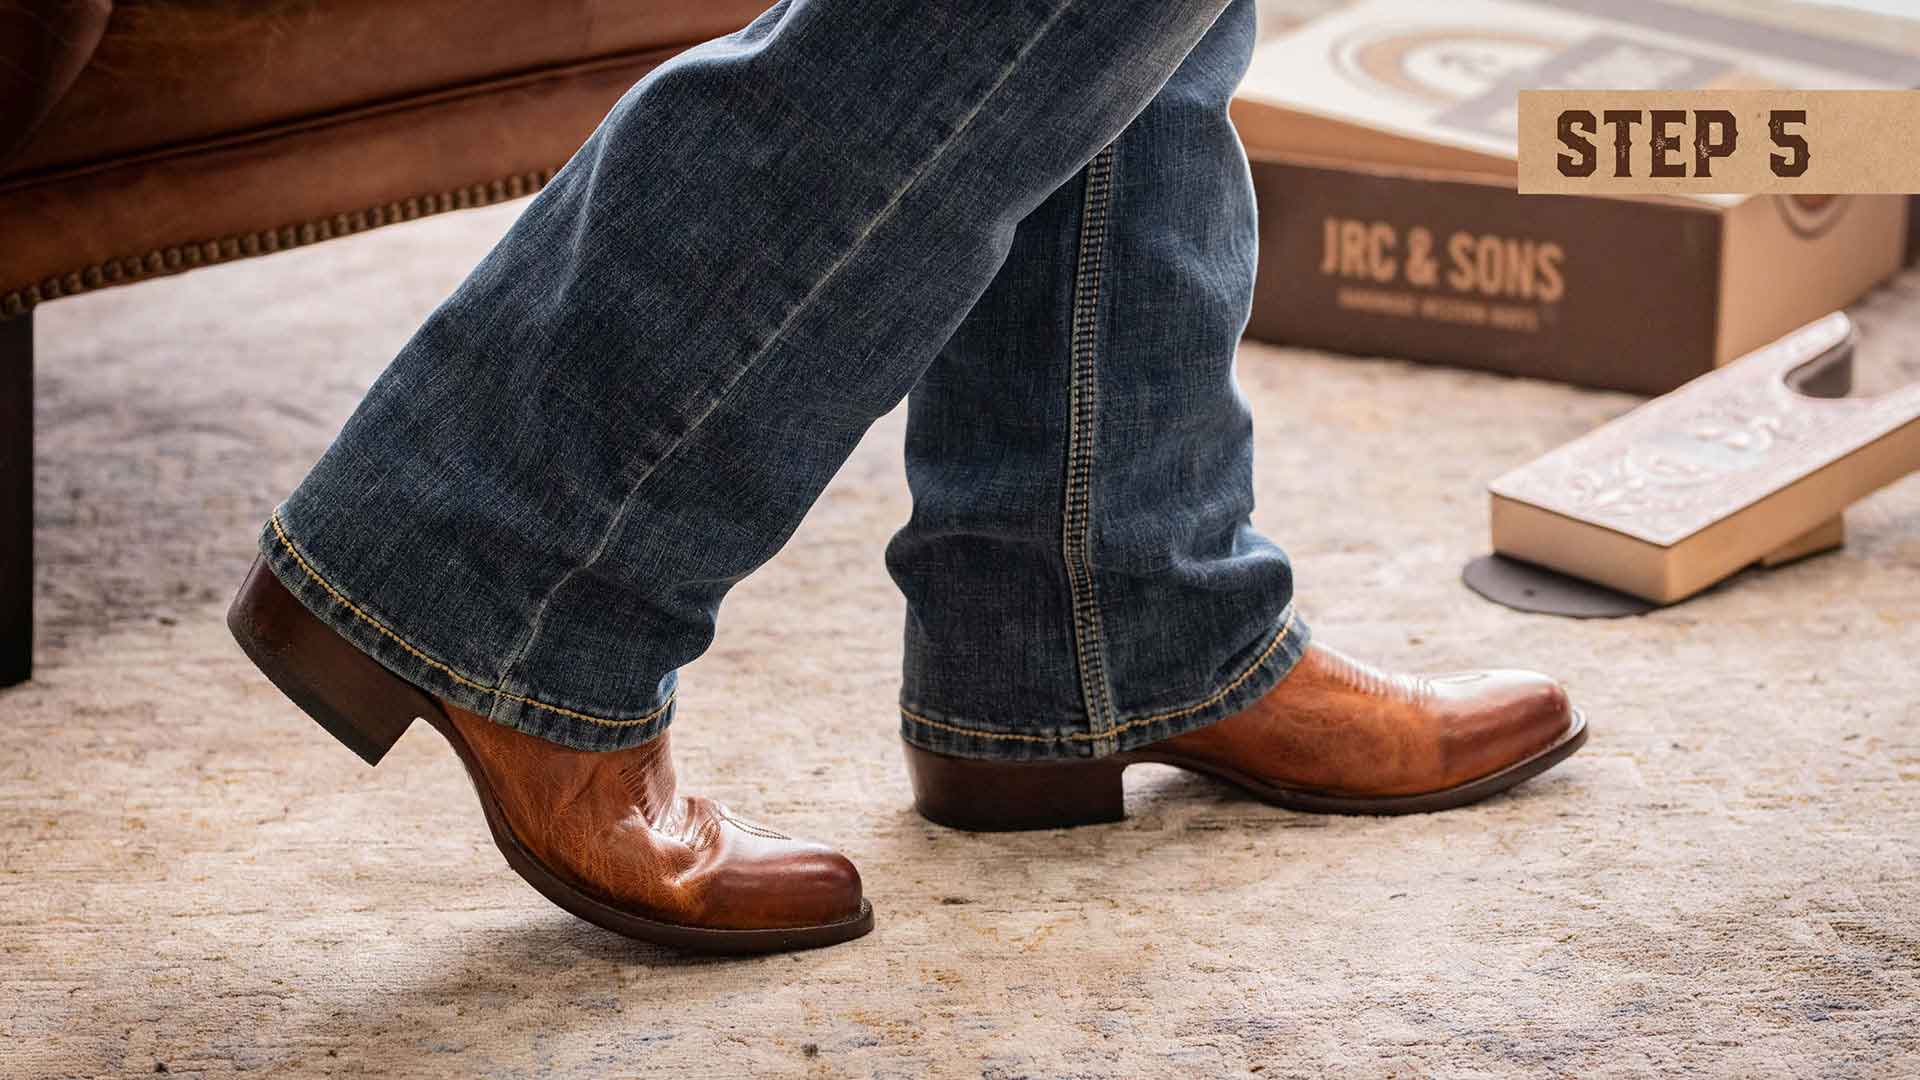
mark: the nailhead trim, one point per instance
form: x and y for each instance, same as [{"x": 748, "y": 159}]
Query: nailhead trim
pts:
[{"x": 195, "y": 254}]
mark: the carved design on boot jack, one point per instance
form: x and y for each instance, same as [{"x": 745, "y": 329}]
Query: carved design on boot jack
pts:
[{"x": 1741, "y": 465}]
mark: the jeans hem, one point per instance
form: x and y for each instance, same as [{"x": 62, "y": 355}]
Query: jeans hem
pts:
[
  {"x": 930, "y": 728},
  {"x": 374, "y": 634}
]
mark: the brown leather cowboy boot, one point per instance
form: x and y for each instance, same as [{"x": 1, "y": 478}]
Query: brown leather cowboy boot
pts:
[
  {"x": 1334, "y": 737},
  {"x": 607, "y": 836}
]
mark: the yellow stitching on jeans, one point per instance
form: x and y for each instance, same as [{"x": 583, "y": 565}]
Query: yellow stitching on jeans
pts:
[
  {"x": 1076, "y": 517},
  {"x": 287, "y": 543},
  {"x": 1080, "y": 736},
  {"x": 918, "y": 719},
  {"x": 1258, "y": 663}
]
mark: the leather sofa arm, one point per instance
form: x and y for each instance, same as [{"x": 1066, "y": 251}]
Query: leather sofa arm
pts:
[{"x": 44, "y": 45}]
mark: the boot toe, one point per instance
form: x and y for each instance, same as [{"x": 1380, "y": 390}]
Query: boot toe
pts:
[
  {"x": 1509, "y": 717},
  {"x": 826, "y": 887},
  {"x": 763, "y": 882}
]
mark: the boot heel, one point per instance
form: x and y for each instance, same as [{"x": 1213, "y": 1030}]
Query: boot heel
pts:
[
  {"x": 999, "y": 796},
  {"x": 347, "y": 692}
]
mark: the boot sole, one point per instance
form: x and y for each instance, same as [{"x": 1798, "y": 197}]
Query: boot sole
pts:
[
  {"x": 993, "y": 796},
  {"x": 367, "y": 708}
]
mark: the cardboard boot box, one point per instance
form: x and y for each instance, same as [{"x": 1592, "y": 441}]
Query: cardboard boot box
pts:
[{"x": 1382, "y": 145}]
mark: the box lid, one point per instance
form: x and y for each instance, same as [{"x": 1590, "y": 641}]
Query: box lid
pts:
[{"x": 1420, "y": 84}]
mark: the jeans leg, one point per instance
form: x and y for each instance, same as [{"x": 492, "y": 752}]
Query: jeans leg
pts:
[
  {"x": 630, "y": 403},
  {"x": 1080, "y": 571}
]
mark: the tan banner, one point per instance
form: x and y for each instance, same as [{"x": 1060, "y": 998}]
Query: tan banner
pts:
[{"x": 1699, "y": 142}]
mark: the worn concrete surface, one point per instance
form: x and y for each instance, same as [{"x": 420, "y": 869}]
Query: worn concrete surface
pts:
[{"x": 193, "y": 877}]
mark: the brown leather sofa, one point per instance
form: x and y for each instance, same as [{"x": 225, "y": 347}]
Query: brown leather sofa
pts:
[{"x": 140, "y": 138}]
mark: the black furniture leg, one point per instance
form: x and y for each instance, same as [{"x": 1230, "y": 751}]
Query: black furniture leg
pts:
[{"x": 16, "y": 499}]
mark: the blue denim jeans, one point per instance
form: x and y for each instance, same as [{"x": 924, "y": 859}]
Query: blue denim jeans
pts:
[{"x": 1032, "y": 215}]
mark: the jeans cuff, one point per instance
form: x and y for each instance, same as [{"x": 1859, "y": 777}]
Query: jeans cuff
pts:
[
  {"x": 376, "y": 634},
  {"x": 1273, "y": 656}
]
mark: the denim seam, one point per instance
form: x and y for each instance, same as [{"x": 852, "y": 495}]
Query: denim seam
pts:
[
  {"x": 1140, "y": 721},
  {"x": 306, "y": 567},
  {"x": 1082, "y": 417},
  {"x": 536, "y": 623}
]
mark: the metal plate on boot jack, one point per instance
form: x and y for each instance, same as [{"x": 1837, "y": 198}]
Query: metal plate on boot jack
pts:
[{"x": 1523, "y": 586}]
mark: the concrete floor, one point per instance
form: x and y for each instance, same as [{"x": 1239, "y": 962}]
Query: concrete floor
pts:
[
  {"x": 1723, "y": 882},
  {"x": 195, "y": 879}
]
